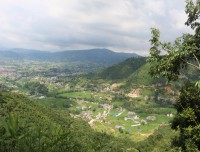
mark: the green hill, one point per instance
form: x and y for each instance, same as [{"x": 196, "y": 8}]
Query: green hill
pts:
[
  {"x": 122, "y": 70},
  {"x": 141, "y": 76},
  {"x": 133, "y": 71}
]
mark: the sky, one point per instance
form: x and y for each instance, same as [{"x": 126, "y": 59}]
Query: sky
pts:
[{"x": 119, "y": 25}]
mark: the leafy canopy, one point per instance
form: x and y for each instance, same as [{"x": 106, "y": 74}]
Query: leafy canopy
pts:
[{"x": 168, "y": 59}]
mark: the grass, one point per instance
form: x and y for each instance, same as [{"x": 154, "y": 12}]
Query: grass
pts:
[
  {"x": 148, "y": 92},
  {"x": 80, "y": 95},
  {"x": 57, "y": 102}
]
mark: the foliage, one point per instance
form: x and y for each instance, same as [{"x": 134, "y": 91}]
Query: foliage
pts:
[
  {"x": 188, "y": 118},
  {"x": 177, "y": 56},
  {"x": 36, "y": 87},
  {"x": 159, "y": 141}
]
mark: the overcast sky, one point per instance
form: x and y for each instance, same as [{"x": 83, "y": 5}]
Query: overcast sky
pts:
[{"x": 119, "y": 25}]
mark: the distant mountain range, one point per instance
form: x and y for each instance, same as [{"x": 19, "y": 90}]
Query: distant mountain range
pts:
[{"x": 97, "y": 56}]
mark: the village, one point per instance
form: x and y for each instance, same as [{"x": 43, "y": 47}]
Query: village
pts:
[{"x": 117, "y": 120}]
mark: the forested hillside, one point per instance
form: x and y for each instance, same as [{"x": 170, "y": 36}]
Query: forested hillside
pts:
[{"x": 122, "y": 70}]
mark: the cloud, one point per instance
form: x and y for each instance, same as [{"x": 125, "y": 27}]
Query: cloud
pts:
[{"x": 121, "y": 25}]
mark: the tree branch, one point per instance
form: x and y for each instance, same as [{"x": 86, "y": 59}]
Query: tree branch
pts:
[
  {"x": 191, "y": 64},
  {"x": 196, "y": 59}
]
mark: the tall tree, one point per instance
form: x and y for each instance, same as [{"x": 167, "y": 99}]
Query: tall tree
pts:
[{"x": 168, "y": 60}]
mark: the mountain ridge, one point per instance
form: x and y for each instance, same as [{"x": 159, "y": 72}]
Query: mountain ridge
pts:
[{"x": 100, "y": 56}]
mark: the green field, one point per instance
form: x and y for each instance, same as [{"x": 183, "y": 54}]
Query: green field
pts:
[
  {"x": 55, "y": 102},
  {"x": 79, "y": 95}
]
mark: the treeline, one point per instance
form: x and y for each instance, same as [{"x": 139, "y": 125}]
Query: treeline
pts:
[{"x": 36, "y": 88}]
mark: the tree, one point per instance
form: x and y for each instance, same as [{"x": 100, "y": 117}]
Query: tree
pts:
[
  {"x": 36, "y": 87},
  {"x": 187, "y": 119},
  {"x": 169, "y": 60}
]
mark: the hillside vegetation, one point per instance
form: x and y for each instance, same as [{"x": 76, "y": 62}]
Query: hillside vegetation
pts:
[{"x": 122, "y": 70}]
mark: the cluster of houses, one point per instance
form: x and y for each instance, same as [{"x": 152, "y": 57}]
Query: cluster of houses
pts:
[
  {"x": 170, "y": 115},
  {"x": 50, "y": 81},
  {"x": 8, "y": 71},
  {"x": 135, "y": 119},
  {"x": 88, "y": 115},
  {"x": 134, "y": 93}
]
